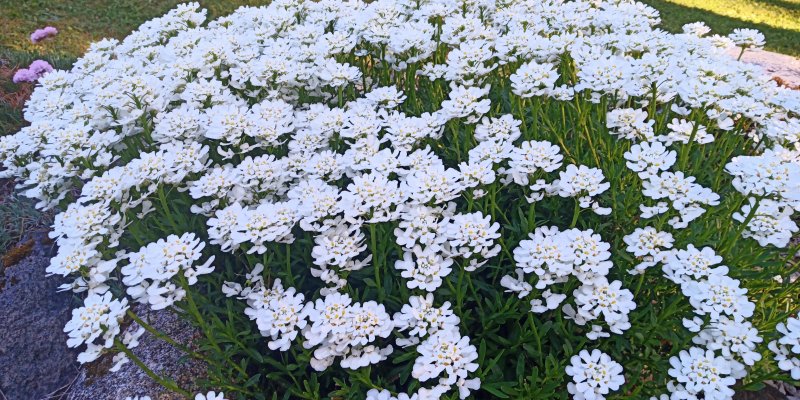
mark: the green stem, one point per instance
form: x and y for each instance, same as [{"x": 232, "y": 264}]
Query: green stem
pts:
[
  {"x": 373, "y": 238},
  {"x": 162, "y": 197},
  {"x": 575, "y": 214},
  {"x": 199, "y": 318}
]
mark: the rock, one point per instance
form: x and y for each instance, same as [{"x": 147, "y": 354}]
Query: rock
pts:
[
  {"x": 34, "y": 358},
  {"x": 781, "y": 66},
  {"x": 95, "y": 382}
]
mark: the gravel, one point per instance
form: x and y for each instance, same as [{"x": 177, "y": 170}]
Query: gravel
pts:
[
  {"x": 94, "y": 382},
  {"x": 34, "y": 358}
]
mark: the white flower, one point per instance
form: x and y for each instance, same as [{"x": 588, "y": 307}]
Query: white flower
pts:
[
  {"x": 696, "y": 28},
  {"x": 787, "y": 347},
  {"x": 425, "y": 268},
  {"x": 701, "y": 372},
  {"x": 648, "y": 241},
  {"x": 466, "y": 102},
  {"x": 280, "y": 316},
  {"x": 729, "y": 338},
  {"x": 687, "y": 197},
  {"x": 210, "y": 396},
  {"x": 335, "y": 74},
  {"x": 684, "y": 131},
  {"x": 594, "y": 375},
  {"x": 446, "y": 353},
  {"x": 96, "y": 324},
  {"x": 767, "y": 175},
  {"x": 771, "y": 224},
  {"x": 269, "y": 222},
  {"x": 747, "y": 38},
  {"x": 530, "y": 157},
  {"x": 473, "y": 234},
  {"x": 423, "y": 319},
  {"x": 583, "y": 183},
  {"x": 339, "y": 246},
  {"x": 516, "y": 285},
  {"x": 606, "y": 300},
  {"x": 150, "y": 271},
  {"x": 629, "y": 123},
  {"x": 533, "y": 79},
  {"x": 692, "y": 264},
  {"x": 649, "y": 159},
  {"x": 717, "y": 296},
  {"x": 375, "y": 394},
  {"x": 503, "y": 128}
]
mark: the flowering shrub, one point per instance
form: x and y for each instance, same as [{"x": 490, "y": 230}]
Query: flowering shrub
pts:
[{"x": 431, "y": 199}]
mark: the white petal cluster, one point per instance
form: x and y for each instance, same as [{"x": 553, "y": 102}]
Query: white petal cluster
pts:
[
  {"x": 450, "y": 357},
  {"x": 151, "y": 271},
  {"x": 594, "y": 375},
  {"x": 685, "y": 196},
  {"x": 212, "y": 395},
  {"x": 787, "y": 347},
  {"x": 423, "y": 319},
  {"x": 583, "y": 183},
  {"x": 96, "y": 324},
  {"x": 279, "y": 313},
  {"x": 554, "y": 256},
  {"x": 341, "y": 328},
  {"x": 698, "y": 373},
  {"x": 648, "y": 245},
  {"x": 292, "y": 123}
]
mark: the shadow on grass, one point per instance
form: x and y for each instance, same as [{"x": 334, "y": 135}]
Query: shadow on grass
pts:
[{"x": 779, "y": 40}]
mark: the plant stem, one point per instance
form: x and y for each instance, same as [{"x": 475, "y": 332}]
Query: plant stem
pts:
[{"x": 199, "y": 318}]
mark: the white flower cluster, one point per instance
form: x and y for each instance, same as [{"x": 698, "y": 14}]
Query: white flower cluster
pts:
[
  {"x": 729, "y": 341},
  {"x": 96, "y": 325},
  {"x": 554, "y": 256},
  {"x": 772, "y": 182},
  {"x": 200, "y": 396},
  {"x": 787, "y": 347},
  {"x": 271, "y": 124},
  {"x": 150, "y": 271},
  {"x": 594, "y": 375}
]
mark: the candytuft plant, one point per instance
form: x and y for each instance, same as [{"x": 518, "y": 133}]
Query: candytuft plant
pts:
[{"x": 427, "y": 199}]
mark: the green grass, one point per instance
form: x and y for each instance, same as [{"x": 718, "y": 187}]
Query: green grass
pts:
[
  {"x": 779, "y": 20},
  {"x": 82, "y": 21}
]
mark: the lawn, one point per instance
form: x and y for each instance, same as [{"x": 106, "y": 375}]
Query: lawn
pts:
[{"x": 779, "y": 20}]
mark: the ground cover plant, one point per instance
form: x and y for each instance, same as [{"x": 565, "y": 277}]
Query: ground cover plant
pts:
[{"x": 433, "y": 199}]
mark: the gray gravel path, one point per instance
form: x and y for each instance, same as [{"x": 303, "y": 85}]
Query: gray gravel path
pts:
[{"x": 34, "y": 358}]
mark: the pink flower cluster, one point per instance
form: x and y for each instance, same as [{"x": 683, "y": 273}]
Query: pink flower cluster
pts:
[
  {"x": 33, "y": 72},
  {"x": 44, "y": 33}
]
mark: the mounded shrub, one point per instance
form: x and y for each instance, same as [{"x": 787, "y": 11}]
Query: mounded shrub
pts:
[{"x": 428, "y": 199}]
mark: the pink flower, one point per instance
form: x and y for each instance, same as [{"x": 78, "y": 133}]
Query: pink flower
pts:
[
  {"x": 44, "y": 33},
  {"x": 24, "y": 75},
  {"x": 40, "y": 67},
  {"x": 35, "y": 71}
]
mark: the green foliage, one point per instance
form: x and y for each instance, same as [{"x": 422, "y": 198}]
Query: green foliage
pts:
[{"x": 522, "y": 355}]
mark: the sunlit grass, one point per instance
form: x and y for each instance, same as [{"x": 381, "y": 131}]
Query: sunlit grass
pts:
[{"x": 779, "y": 20}]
